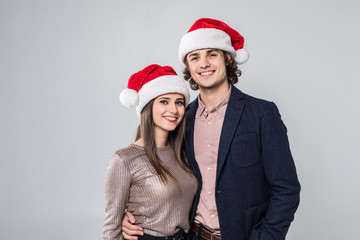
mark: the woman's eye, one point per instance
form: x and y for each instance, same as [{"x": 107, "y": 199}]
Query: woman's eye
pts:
[
  {"x": 180, "y": 103},
  {"x": 163, "y": 102},
  {"x": 193, "y": 58}
]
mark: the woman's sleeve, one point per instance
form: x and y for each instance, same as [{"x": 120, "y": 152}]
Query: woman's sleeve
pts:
[{"x": 117, "y": 188}]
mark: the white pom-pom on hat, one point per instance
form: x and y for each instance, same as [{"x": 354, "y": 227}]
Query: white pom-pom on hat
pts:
[
  {"x": 129, "y": 97},
  {"x": 242, "y": 55}
]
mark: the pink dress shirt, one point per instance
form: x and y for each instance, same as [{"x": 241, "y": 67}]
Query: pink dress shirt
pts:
[{"x": 207, "y": 130}]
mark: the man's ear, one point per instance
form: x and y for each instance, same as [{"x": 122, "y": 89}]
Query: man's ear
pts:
[{"x": 228, "y": 56}]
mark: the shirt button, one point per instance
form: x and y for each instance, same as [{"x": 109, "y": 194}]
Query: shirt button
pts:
[
  {"x": 210, "y": 192},
  {"x": 212, "y": 215},
  {"x": 209, "y": 123},
  {"x": 209, "y": 168},
  {"x": 208, "y": 145}
]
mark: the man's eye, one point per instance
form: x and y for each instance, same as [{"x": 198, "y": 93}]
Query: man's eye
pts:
[{"x": 193, "y": 58}]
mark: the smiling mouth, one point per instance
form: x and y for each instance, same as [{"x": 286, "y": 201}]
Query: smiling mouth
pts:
[
  {"x": 171, "y": 119},
  {"x": 206, "y": 73}
]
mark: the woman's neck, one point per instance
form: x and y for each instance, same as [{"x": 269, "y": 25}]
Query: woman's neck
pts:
[{"x": 161, "y": 139}]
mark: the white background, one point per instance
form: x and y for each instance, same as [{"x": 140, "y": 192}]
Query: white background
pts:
[{"x": 63, "y": 64}]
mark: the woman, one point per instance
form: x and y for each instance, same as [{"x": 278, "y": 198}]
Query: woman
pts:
[{"x": 150, "y": 178}]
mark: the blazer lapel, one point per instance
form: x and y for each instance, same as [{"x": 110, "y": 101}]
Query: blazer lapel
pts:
[{"x": 232, "y": 117}]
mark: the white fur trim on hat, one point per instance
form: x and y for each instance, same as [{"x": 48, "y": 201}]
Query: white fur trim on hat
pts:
[
  {"x": 204, "y": 38},
  {"x": 159, "y": 86},
  {"x": 129, "y": 97}
]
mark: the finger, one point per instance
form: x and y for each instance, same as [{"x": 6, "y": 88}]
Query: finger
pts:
[
  {"x": 129, "y": 237},
  {"x": 129, "y": 232},
  {"x": 134, "y": 230},
  {"x": 130, "y": 226},
  {"x": 130, "y": 217}
]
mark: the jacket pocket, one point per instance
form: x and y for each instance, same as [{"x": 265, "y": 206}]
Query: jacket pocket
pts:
[
  {"x": 254, "y": 217},
  {"x": 244, "y": 150}
]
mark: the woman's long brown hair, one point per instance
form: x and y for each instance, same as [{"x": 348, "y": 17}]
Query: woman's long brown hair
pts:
[{"x": 146, "y": 130}]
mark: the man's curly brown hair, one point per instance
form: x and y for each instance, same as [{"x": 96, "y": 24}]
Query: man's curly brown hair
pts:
[{"x": 232, "y": 71}]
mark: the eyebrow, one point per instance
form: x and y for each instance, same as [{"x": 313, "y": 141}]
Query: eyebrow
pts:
[
  {"x": 208, "y": 51},
  {"x": 213, "y": 50},
  {"x": 193, "y": 54},
  {"x": 169, "y": 98}
]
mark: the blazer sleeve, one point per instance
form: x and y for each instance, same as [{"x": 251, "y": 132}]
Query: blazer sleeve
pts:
[
  {"x": 280, "y": 172},
  {"x": 117, "y": 188}
]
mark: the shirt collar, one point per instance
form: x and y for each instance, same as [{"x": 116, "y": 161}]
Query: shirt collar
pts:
[{"x": 220, "y": 108}]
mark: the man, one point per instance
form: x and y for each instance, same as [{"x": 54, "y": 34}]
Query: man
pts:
[{"x": 236, "y": 145}]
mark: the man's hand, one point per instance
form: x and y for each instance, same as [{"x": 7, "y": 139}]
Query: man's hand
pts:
[{"x": 129, "y": 230}]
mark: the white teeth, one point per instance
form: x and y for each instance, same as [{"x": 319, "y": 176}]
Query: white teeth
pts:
[
  {"x": 171, "y": 118},
  {"x": 206, "y": 73}
]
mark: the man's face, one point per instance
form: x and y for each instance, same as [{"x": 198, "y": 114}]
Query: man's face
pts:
[{"x": 207, "y": 68}]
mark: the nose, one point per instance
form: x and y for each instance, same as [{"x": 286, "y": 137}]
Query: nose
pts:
[
  {"x": 173, "y": 108},
  {"x": 204, "y": 62}
]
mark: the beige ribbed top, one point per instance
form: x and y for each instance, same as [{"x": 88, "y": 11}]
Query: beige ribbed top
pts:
[{"x": 131, "y": 183}]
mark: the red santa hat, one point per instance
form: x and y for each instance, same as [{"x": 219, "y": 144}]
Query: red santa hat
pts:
[
  {"x": 150, "y": 82},
  {"x": 212, "y": 33}
]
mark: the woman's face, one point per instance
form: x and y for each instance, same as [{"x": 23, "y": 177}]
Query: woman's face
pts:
[{"x": 168, "y": 111}]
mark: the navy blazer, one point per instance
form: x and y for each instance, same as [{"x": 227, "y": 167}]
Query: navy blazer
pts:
[{"x": 257, "y": 189}]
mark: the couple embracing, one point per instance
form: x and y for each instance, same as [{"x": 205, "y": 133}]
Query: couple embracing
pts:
[{"x": 219, "y": 167}]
